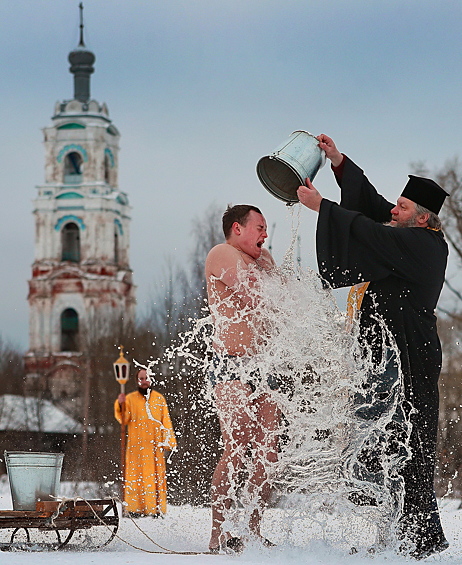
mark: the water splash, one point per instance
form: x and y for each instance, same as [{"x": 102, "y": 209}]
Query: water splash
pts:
[{"x": 342, "y": 434}]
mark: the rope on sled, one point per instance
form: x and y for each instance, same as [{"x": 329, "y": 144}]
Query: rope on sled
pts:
[{"x": 117, "y": 499}]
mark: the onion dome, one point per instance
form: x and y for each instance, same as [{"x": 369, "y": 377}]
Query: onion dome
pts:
[{"x": 81, "y": 60}]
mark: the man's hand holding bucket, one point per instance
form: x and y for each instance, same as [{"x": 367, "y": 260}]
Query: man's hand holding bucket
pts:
[{"x": 309, "y": 196}]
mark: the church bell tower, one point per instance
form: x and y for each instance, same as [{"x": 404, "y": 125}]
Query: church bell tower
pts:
[{"x": 81, "y": 279}]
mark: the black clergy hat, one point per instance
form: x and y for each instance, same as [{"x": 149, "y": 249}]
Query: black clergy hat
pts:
[{"x": 425, "y": 192}]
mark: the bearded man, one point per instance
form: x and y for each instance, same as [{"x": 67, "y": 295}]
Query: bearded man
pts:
[
  {"x": 150, "y": 440},
  {"x": 402, "y": 264}
]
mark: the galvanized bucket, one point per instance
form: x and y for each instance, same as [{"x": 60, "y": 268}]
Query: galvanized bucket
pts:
[
  {"x": 33, "y": 477},
  {"x": 287, "y": 167}
]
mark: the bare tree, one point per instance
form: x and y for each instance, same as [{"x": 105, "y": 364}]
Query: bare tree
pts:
[
  {"x": 450, "y": 178},
  {"x": 167, "y": 310},
  {"x": 206, "y": 233},
  {"x": 449, "y": 466},
  {"x": 11, "y": 368}
]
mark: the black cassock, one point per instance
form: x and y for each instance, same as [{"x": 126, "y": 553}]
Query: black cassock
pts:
[{"x": 406, "y": 268}]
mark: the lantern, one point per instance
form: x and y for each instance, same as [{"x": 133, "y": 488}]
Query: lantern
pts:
[{"x": 121, "y": 369}]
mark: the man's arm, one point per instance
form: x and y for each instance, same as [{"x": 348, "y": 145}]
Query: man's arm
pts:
[
  {"x": 352, "y": 248},
  {"x": 357, "y": 193},
  {"x": 118, "y": 404},
  {"x": 376, "y": 252},
  {"x": 224, "y": 262}
]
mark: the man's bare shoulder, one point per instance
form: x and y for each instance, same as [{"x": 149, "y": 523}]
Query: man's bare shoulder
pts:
[
  {"x": 222, "y": 256},
  {"x": 223, "y": 249}
]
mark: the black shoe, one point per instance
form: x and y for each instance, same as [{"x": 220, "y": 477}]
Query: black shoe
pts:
[
  {"x": 232, "y": 545},
  {"x": 424, "y": 552},
  {"x": 235, "y": 544}
]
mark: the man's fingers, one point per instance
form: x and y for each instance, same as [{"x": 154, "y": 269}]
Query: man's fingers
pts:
[
  {"x": 325, "y": 139},
  {"x": 304, "y": 192}
]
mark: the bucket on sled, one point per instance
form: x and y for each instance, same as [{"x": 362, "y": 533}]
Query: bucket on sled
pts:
[
  {"x": 287, "y": 167},
  {"x": 33, "y": 476}
]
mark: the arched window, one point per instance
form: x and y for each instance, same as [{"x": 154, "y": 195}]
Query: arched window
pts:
[
  {"x": 69, "y": 330},
  {"x": 70, "y": 242},
  {"x": 116, "y": 245},
  {"x": 107, "y": 168},
  {"x": 73, "y": 168}
]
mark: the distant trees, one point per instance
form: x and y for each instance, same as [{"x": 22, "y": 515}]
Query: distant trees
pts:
[
  {"x": 449, "y": 466},
  {"x": 11, "y": 368},
  {"x": 450, "y": 462}
]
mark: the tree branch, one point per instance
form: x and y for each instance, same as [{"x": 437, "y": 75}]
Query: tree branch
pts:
[{"x": 452, "y": 289}]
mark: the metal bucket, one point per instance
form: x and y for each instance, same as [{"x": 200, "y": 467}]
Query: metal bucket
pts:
[
  {"x": 33, "y": 477},
  {"x": 287, "y": 167}
]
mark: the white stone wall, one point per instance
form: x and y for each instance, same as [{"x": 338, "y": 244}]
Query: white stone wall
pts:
[{"x": 97, "y": 217}]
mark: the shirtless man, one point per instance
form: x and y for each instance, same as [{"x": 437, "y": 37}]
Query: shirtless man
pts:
[{"x": 248, "y": 420}]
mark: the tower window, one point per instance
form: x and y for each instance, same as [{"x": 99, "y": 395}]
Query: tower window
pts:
[
  {"x": 73, "y": 168},
  {"x": 69, "y": 330},
  {"x": 107, "y": 167},
  {"x": 70, "y": 241},
  {"x": 116, "y": 245}
]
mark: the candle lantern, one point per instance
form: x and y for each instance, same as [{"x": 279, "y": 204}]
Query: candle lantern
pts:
[
  {"x": 121, "y": 369},
  {"x": 121, "y": 372}
]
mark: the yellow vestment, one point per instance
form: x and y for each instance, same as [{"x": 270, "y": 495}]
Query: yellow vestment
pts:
[{"x": 145, "y": 477}]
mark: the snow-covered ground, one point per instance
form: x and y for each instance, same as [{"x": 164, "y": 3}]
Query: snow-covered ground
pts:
[{"x": 187, "y": 528}]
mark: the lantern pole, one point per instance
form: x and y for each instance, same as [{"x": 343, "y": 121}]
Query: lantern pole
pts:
[{"x": 121, "y": 369}]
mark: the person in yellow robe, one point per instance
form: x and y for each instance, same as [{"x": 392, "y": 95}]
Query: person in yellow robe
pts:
[{"x": 150, "y": 439}]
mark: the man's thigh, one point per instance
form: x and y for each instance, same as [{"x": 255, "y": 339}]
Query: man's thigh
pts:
[
  {"x": 267, "y": 421},
  {"x": 235, "y": 409}
]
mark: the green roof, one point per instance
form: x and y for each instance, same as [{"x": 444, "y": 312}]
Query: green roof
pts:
[{"x": 71, "y": 125}]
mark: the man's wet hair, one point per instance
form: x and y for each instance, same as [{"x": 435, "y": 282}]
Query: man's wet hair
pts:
[{"x": 239, "y": 214}]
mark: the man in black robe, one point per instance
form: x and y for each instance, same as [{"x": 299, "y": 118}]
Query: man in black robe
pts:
[{"x": 404, "y": 262}]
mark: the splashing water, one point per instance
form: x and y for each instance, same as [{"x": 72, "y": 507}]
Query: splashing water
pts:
[{"x": 341, "y": 434}]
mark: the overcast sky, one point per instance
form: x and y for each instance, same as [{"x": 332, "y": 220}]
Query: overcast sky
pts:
[{"x": 201, "y": 89}]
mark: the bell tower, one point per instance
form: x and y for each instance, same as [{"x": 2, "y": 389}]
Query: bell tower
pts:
[{"x": 81, "y": 279}]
